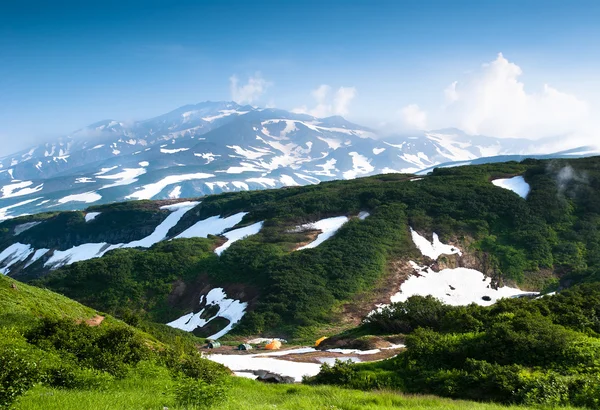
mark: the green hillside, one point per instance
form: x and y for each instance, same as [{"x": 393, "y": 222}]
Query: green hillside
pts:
[
  {"x": 52, "y": 359},
  {"x": 544, "y": 242}
]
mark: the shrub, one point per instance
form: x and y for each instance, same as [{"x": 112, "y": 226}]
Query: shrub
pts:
[{"x": 199, "y": 393}]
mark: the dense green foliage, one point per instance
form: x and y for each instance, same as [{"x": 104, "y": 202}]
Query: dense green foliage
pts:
[
  {"x": 46, "y": 339},
  {"x": 552, "y": 237},
  {"x": 542, "y": 351}
]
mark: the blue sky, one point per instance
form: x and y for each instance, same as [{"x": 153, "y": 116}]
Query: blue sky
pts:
[{"x": 66, "y": 64}]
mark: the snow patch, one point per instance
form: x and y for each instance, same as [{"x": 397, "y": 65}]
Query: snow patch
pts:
[
  {"x": 19, "y": 229},
  {"x": 19, "y": 189},
  {"x": 516, "y": 184},
  {"x": 126, "y": 177},
  {"x": 457, "y": 287},
  {"x": 433, "y": 249},
  {"x": 151, "y": 190},
  {"x": 327, "y": 226},
  {"x": 175, "y": 192},
  {"x": 173, "y": 151},
  {"x": 238, "y": 234},
  {"x": 95, "y": 250},
  {"x": 360, "y": 166},
  {"x": 288, "y": 180},
  {"x": 87, "y": 197},
  {"x": 214, "y": 225},
  {"x": 230, "y": 309},
  {"x": 90, "y": 216},
  {"x": 15, "y": 253}
]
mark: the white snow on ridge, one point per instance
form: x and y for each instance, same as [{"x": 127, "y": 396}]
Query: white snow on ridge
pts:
[
  {"x": 161, "y": 230},
  {"x": 263, "y": 181},
  {"x": 457, "y": 287},
  {"x": 19, "y": 229},
  {"x": 151, "y": 190},
  {"x": 36, "y": 256},
  {"x": 175, "y": 193},
  {"x": 90, "y": 216},
  {"x": 4, "y": 211},
  {"x": 288, "y": 181},
  {"x": 87, "y": 197},
  {"x": 126, "y": 177},
  {"x": 307, "y": 178},
  {"x": 247, "y": 153},
  {"x": 19, "y": 189},
  {"x": 76, "y": 254},
  {"x": 230, "y": 309},
  {"x": 245, "y": 363},
  {"x": 105, "y": 170},
  {"x": 331, "y": 142},
  {"x": 95, "y": 250},
  {"x": 17, "y": 252},
  {"x": 224, "y": 113},
  {"x": 238, "y": 234},
  {"x": 240, "y": 185},
  {"x": 516, "y": 184},
  {"x": 214, "y": 225},
  {"x": 433, "y": 249},
  {"x": 360, "y": 166},
  {"x": 208, "y": 156},
  {"x": 173, "y": 151},
  {"x": 328, "y": 228}
]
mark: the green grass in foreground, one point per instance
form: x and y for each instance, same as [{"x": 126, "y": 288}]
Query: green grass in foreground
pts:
[{"x": 155, "y": 393}]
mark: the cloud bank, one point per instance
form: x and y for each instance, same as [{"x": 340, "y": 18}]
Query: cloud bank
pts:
[
  {"x": 493, "y": 101},
  {"x": 249, "y": 92},
  {"x": 329, "y": 103}
]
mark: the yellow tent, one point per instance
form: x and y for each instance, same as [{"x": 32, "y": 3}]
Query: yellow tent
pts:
[
  {"x": 318, "y": 342},
  {"x": 274, "y": 345}
]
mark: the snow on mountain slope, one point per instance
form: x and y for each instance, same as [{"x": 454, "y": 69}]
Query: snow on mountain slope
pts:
[{"x": 215, "y": 147}]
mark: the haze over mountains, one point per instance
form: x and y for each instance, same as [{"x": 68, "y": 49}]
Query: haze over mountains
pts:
[{"x": 215, "y": 147}]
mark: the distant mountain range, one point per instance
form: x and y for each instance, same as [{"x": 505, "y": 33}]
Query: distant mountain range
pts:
[{"x": 214, "y": 147}]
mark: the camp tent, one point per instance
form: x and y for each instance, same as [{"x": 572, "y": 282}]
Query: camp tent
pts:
[
  {"x": 274, "y": 345},
  {"x": 244, "y": 346},
  {"x": 318, "y": 342},
  {"x": 213, "y": 345}
]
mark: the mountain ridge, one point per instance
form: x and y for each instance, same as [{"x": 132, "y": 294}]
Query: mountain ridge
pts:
[{"x": 213, "y": 147}]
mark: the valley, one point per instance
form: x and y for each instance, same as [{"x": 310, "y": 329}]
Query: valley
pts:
[{"x": 371, "y": 264}]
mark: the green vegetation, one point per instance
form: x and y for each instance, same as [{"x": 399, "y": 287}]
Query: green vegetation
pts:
[
  {"x": 543, "y": 351},
  {"x": 48, "y": 340},
  {"x": 52, "y": 359},
  {"x": 550, "y": 237},
  {"x": 518, "y": 351},
  {"x": 148, "y": 392}
]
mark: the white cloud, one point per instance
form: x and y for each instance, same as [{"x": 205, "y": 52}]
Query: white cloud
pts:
[
  {"x": 413, "y": 117},
  {"x": 328, "y": 104},
  {"x": 492, "y": 101},
  {"x": 249, "y": 92}
]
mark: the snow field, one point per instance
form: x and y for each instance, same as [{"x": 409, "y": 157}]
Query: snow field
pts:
[{"x": 516, "y": 184}]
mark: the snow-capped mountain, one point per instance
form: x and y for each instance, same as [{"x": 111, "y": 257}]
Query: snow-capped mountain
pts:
[{"x": 213, "y": 147}]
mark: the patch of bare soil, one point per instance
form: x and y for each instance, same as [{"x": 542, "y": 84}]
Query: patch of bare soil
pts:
[
  {"x": 362, "y": 304},
  {"x": 310, "y": 237},
  {"x": 95, "y": 321}
]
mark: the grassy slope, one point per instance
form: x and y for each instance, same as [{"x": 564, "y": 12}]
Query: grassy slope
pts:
[
  {"x": 154, "y": 389},
  {"x": 133, "y": 394},
  {"x": 20, "y": 305}
]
